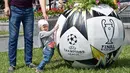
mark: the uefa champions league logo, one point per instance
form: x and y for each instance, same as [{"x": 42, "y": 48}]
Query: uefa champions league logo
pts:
[
  {"x": 72, "y": 49},
  {"x": 108, "y": 28}
]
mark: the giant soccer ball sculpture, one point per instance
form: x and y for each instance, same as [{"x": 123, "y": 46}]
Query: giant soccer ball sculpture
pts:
[{"x": 90, "y": 38}]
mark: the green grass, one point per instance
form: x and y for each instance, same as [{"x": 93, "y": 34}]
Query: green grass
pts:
[
  {"x": 57, "y": 64},
  {"x": 3, "y": 32},
  {"x": 6, "y": 33}
]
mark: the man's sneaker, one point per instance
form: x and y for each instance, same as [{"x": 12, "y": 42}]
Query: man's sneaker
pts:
[
  {"x": 31, "y": 65},
  {"x": 11, "y": 69}
]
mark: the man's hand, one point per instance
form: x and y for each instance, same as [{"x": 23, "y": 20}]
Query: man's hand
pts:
[
  {"x": 7, "y": 11},
  {"x": 45, "y": 16},
  {"x": 61, "y": 5}
]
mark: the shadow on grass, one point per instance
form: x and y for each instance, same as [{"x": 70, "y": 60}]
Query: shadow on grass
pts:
[
  {"x": 19, "y": 67},
  {"x": 124, "y": 62},
  {"x": 56, "y": 64},
  {"x": 119, "y": 63}
]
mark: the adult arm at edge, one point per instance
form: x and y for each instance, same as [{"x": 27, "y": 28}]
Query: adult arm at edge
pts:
[
  {"x": 43, "y": 7},
  {"x": 6, "y": 9}
]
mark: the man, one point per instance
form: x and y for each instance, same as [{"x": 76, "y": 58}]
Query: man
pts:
[{"x": 21, "y": 11}]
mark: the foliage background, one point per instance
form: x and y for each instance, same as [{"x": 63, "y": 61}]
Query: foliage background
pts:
[{"x": 87, "y": 4}]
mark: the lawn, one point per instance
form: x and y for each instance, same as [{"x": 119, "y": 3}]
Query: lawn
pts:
[
  {"x": 7, "y": 33},
  {"x": 4, "y": 32},
  {"x": 57, "y": 64}
]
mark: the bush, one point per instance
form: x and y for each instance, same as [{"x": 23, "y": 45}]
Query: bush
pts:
[
  {"x": 3, "y": 18},
  {"x": 52, "y": 12},
  {"x": 87, "y": 4}
]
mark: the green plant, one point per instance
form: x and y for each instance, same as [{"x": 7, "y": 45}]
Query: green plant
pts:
[
  {"x": 3, "y": 18},
  {"x": 109, "y": 2},
  {"x": 87, "y": 4},
  {"x": 4, "y": 32},
  {"x": 37, "y": 15},
  {"x": 52, "y": 12},
  {"x": 69, "y": 4}
]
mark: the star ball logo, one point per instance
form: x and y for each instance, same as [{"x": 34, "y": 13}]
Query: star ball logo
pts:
[{"x": 72, "y": 39}]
